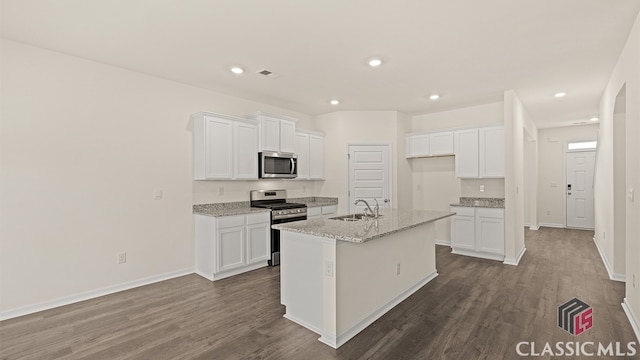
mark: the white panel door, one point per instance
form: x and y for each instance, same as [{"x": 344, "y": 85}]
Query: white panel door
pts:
[
  {"x": 490, "y": 230},
  {"x": 369, "y": 175},
  {"x": 579, "y": 189},
  {"x": 218, "y": 148},
  {"x": 258, "y": 243},
  {"x": 316, "y": 157},
  {"x": 230, "y": 246},
  {"x": 463, "y": 234},
  {"x": 491, "y": 153},
  {"x": 245, "y": 151},
  {"x": 269, "y": 134},
  {"x": 441, "y": 143},
  {"x": 417, "y": 145},
  {"x": 287, "y": 136}
]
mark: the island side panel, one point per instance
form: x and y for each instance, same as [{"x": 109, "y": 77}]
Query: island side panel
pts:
[
  {"x": 368, "y": 283},
  {"x": 301, "y": 278}
]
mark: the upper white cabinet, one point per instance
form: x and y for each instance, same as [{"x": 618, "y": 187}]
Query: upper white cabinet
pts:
[
  {"x": 310, "y": 150},
  {"x": 466, "y": 150},
  {"x": 433, "y": 144},
  {"x": 480, "y": 152},
  {"x": 491, "y": 153},
  {"x": 277, "y": 132},
  {"x": 225, "y": 147}
]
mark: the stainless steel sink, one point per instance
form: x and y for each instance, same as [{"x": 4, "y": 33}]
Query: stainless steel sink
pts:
[{"x": 352, "y": 217}]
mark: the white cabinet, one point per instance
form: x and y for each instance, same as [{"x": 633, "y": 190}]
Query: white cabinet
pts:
[
  {"x": 225, "y": 147},
  {"x": 433, "y": 144},
  {"x": 478, "y": 232},
  {"x": 230, "y": 245},
  {"x": 317, "y": 211},
  {"x": 480, "y": 152},
  {"x": 310, "y": 151},
  {"x": 277, "y": 132},
  {"x": 441, "y": 143},
  {"x": 466, "y": 150},
  {"x": 316, "y": 157},
  {"x": 491, "y": 153}
]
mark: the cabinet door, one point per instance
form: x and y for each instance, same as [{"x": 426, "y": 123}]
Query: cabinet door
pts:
[
  {"x": 258, "y": 242},
  {"x": 329, "y": 209},
  {"x": 490, "y": 230},
  {"x": 218, "y": 148},
  {"x": 417, "y": 145},
  {"x": 269, "y": 134},
  {"x": 316, "y": 157},
  {"x": 441, "y": 143},
  {"x": 466, "y": 153},
  {"x": 287, "y": 136},
  {"x": 230, "y": 248},
  {"x": 245, "y": 150},
  {"x": 463, "y": 235},
  {"x": 302, "y": 150},
  {"x": 491, "y": 152}
]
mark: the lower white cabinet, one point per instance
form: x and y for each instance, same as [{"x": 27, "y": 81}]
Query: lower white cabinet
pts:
[
  {"x": 478, "y": 232},
  {"x": 230, "y": 245},
  {"x": 314, "y": 212}
]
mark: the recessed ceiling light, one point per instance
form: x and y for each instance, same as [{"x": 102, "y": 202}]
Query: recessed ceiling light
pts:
[
  {"x": 594, "y": 119},
  {"x": 560, "y": 94},
  {"x": 237, "y": 70},
  {"x": 375, "y": 62},
  {"x": 434, "y": 97},
  {"x": 334, "y": 102}
]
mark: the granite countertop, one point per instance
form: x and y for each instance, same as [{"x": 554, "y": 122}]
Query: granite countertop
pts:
[
  {"x": 497, "y": 203},
  {"x": 226, "y": 209},
  {"x": 390, "y": 221},
  {"x": 315, "y": 201}
]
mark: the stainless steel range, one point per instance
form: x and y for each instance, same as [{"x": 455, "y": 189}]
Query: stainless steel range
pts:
[{"x": 281, "y": 212}]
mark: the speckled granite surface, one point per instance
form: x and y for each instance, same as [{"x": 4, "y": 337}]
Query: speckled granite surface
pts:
[
  {"x": 391, "y": 221},
  {"x": 314, "y": 201},
  {"x": 481, "y": 202},
  {"x": 226, "y": 209}
]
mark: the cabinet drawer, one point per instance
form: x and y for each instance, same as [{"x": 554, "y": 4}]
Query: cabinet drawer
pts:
[
  {"x": 463, "y": 211},
  {"x": 230, "y": 221},
  {"x": 314, "y": 211},
  {"x": 259, "y": 218},
  {"x": 490, "y": 213}
]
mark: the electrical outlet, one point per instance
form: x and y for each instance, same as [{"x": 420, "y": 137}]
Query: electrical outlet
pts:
[
  {"x": 122, "y": 258},
  {"x": 157, "y": 194},
  {"x": 398, "y": 269},
  {"x": 548, "y": 212},
  {"x": 634, "y": 280},
  {"x": 481, "y": 188},
  {"x": 221, "y": 191},
  {"x": 328, "y": 268}
]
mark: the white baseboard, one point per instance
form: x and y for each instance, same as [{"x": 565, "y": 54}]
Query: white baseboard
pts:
[
  {"x": 613, "y": 276},
  {"x": 478, "y": 254},
  {"x": 534, "y": 228},
  {"x": 91, "y": 294},
  {"x": 337, "y": 341},
  {"x": 633, "y": 319},
  {"x": 443, "y": 242},
  {"x": 516, "y": 261},
  {"x": 551, "y": 225}
]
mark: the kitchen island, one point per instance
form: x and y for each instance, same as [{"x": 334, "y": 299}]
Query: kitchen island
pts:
[{"x": 338, "y": 277}]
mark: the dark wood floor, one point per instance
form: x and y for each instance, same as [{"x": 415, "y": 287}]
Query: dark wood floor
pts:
[{"x": 475, "y": 309}]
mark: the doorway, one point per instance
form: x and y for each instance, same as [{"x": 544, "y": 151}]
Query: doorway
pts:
[
  {"x": 580, "y": 161},
  {"x": 369, "y": 175}
]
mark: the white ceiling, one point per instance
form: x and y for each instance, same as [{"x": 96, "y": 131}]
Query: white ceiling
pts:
[{"x": 469, "y": 51}]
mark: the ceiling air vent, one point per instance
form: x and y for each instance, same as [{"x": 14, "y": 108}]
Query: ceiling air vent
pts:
[{"x": 268, "y": 73}]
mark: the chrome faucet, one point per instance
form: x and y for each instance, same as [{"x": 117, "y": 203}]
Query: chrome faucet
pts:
[{"x": 374, "y": 213}]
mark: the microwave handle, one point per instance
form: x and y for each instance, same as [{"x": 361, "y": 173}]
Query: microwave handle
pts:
[{"x": 293, "y": 166}]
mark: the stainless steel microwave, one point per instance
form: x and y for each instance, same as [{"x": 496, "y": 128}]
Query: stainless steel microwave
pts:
[{"x": 277, "y": 165}]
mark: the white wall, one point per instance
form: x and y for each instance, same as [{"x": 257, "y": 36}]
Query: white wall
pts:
[
  {"x": 435, "y": 184},
  {"x": 627, "y": 71},
  {"x": 83, "y": 147},
  {"x": 362, "y": 127},
  {"x": 551, "y": 174},
  {"x": 517, "y": 126}
]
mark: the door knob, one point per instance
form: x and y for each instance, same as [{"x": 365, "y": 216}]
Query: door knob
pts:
[
  {"x": 568, "y": 193},
  {"x": 386, "y": 200}
]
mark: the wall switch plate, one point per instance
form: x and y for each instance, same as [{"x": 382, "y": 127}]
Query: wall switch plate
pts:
[
  {"x": 328, "y": 268},
  {"x": 122, "y": 258},
  {"x": 630, "y": 194},
  {"x": 221, "y": 191},
  {"x": 157, "y": 194},
  {"x": 398, "y": 269},
  {"x": 481, "y": 188}
]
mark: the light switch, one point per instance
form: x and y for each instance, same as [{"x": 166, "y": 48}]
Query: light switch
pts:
[
  {"x": 157, "y": 194},
  {"x": 481, "y": 188},
  {"x": 630, "y": 194}
]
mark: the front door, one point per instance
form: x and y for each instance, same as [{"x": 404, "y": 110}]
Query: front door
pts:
[
  {"x": 579, "y": 189},
  {"x": 369, "y": 176}
]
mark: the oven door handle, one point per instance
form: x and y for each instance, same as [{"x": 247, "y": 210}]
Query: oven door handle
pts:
[{"x": 288, "y": 217}]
